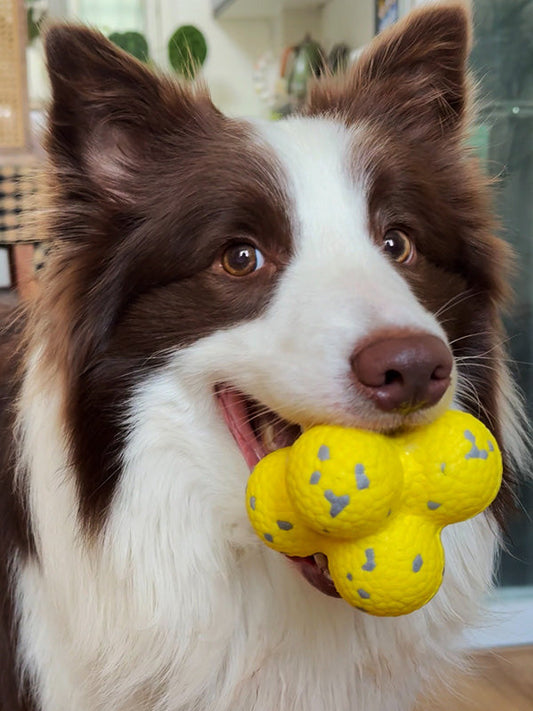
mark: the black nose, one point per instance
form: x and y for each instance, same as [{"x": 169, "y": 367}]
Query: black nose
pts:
[{"x": 403, "y": 372}]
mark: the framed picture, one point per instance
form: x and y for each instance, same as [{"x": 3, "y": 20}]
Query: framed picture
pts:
[{"x": 387, "y": 12}]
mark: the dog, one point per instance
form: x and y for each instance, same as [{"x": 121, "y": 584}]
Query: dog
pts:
[{"x": 216, "y": 285}]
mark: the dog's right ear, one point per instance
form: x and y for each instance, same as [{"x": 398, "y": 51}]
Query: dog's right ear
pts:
[
  {"x": 413, "y": 77},
  {"x": 107, "y": 108}
]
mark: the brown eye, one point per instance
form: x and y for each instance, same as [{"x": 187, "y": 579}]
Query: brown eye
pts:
[
  {"x": 398, "y": 246},
  {"x": 242, "y": 259}
]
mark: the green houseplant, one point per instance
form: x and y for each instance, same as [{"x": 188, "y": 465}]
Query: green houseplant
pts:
[{"x": 187, "y": 50}]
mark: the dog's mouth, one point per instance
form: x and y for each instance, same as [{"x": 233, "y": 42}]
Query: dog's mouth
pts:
[{"x": 258, "y": 431}]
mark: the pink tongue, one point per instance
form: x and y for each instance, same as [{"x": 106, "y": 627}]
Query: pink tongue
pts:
[{"x": 236, "y": 416}]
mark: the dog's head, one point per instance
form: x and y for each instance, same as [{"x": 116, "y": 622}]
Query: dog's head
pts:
[{"x": 338, "y": 266}]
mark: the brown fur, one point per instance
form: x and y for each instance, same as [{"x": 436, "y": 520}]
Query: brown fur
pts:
[
  {"x": 149, "y": 183},
  {"x": 15, "y": 533}
]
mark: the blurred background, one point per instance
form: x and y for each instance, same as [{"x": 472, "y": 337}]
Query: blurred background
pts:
[{"x": 257, "y": 57}]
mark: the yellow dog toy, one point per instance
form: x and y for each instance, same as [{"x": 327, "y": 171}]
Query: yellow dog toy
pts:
[{"x": 375, "y": 504}]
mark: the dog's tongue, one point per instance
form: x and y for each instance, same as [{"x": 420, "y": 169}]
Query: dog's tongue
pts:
[{"x": 236, "y": 416}]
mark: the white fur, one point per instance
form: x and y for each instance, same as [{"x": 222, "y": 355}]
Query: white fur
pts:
[{"x": 178, "y": 607}]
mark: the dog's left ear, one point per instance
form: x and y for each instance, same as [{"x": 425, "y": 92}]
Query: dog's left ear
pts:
[{"x": 412, "y": 77}]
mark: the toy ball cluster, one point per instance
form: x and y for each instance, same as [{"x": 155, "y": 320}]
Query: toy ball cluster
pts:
[{"x": 375, "y": 504}]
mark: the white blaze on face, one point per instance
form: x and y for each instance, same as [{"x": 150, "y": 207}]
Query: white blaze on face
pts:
[{"x": 338, "y": 289}]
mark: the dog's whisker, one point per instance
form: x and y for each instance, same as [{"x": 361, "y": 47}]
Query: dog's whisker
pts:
[
  {"x": 486, "y": 366},
  {"x": 448, "y": 304},
  {"x": 456, "y": 300},
  {"x": 466, "y": 336},
  {"x": 493, "y": 348},
  {"x": 494, "y": 359},
  {"x": 467, "y": 394}
]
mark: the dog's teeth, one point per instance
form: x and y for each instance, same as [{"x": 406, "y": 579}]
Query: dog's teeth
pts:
[
  {"x": 321, "y": 560},
  {"x": 268, "y": 437},
  {"x": 322, "y": 564}
]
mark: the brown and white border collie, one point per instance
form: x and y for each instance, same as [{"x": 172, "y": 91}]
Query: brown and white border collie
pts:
[{"x": 215, "y": 285}]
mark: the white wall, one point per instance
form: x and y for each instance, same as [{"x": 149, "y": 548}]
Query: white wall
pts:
[
  {"x": 296, "y": 23},
  {"x": 233, "y": 48},
  {"x": 349, "y": 21}
]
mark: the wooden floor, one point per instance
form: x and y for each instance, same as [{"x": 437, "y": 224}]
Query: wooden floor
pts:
[{"x": 502, "y": 680}]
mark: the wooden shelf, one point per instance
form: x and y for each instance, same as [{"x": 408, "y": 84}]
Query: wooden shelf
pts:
[{"x": 259, "y": 9}]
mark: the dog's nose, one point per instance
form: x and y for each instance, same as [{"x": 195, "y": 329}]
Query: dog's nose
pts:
[{"x": 403, "y": 372}]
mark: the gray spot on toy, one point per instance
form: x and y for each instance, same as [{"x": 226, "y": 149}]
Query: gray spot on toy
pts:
[
  {"x": 443, "y": 467},
  {"x": 338, "y": 503},
  {"x": 285, "y": 525},
  {"x": 315, "y": 477},
  {"x": 417, "y": 563},
  {"x": 433, "y": 505},
  {"x": 361, "y": 478},
  {"x": 252, "y": 503},
  {"x": 490, "y": 446},
  {"x": 323, "y": 453},
  {"x": 475, "y": 452},
  {"x": 268, "y": 537},
  {"x": 364, "y": 594},
  {"x": 349, "y": 576},
  {"x": 370, "y": 560}
]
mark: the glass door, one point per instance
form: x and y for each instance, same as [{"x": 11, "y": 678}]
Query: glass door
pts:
[{"x": 502, "y": 60}]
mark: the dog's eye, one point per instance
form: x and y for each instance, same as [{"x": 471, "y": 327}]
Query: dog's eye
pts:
[
  {"x": 242, "y": 259},
  {"x": 398, "y": 246}
]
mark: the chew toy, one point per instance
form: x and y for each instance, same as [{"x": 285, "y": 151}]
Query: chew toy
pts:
[{"x": 375, "y": 504}]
